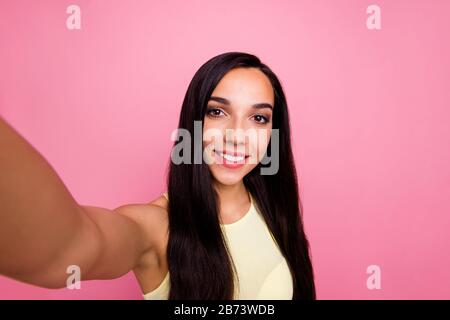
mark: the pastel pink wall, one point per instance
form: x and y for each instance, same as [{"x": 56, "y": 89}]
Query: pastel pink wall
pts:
[{"x": 369, "y": 110}]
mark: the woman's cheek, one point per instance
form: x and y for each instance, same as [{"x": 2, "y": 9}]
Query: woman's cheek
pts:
[
  {"x": 208, "y": 152},
  {"x": 262, "y": 143}
]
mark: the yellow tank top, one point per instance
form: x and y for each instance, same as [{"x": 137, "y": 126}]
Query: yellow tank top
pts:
[{"x": 262, "y": 270}]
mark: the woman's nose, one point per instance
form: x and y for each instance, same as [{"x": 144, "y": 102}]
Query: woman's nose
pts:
[{"x": 235, "y": 132}]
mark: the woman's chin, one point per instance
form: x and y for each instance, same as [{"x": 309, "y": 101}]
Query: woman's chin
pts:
[{"x": 227, "y": 177}]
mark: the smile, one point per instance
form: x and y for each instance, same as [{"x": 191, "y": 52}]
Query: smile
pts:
[
  {"x": 229, "y": 157},
  {"x": 231, "y": 161}
]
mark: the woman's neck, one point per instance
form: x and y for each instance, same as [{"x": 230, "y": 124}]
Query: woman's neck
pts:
[{"x": 233, "y": 200}]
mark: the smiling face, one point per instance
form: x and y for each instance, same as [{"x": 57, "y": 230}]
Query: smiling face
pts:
[{"x": 238, "y": 124}]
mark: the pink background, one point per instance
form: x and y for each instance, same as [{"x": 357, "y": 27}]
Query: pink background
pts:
[{"x": 369, "y": 110}]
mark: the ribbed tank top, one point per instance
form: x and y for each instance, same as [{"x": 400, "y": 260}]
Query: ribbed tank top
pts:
[{"x": 262, "y": 270}]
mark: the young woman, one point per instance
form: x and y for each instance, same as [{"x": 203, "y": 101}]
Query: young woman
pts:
[{"x": 223, "y": 229}]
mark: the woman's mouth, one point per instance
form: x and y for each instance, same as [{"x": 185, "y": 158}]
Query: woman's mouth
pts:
[{"x": 231, "y": 160}]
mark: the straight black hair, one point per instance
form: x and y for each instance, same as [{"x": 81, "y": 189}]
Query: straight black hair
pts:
[{"x": 199, "y": 263}]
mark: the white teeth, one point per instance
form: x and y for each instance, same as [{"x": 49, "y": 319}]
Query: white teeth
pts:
[{"x": 231, "y": 158}]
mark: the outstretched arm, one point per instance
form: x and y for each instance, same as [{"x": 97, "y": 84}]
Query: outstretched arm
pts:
[{"x": 43, "y": 229}]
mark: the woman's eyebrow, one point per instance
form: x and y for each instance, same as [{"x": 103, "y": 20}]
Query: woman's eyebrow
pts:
[{"x": 261, "y": 105}]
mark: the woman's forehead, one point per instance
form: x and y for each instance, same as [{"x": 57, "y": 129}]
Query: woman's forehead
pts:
[{"x": 246, "y": 86}]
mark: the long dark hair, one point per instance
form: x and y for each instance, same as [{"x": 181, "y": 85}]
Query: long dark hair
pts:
[{"x": 199, "y": 263}]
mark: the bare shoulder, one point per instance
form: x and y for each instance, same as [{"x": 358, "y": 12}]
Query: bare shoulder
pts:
[
  {"x": 160, "y": 201},
  {"x": 155, "y": 210},
  {"x": 152, "y": 219}
]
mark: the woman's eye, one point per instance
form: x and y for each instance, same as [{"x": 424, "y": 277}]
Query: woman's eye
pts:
[
  {"x": 214, "y": 112},
  {"x": 261, "y": 119}
]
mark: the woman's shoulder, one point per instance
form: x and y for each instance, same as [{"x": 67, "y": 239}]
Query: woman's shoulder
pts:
[
  {"x": 155, "y": 222},
  {"x": 160, "y": 202},
  {"x": 156, "y": 209},
  {"x": 152, "y": 218},
  {"x": 156, "y": 213}
]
